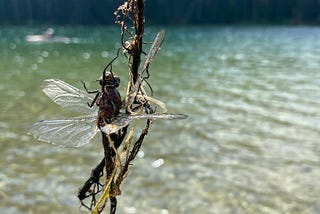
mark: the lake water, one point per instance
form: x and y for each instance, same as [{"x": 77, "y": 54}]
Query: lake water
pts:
[{"x": 251, "y": 143}]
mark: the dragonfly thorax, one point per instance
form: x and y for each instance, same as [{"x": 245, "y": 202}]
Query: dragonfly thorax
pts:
[{"x": 109, "y": 105}]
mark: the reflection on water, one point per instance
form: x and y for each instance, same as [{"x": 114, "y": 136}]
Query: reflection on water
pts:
[{"x": 250, "y": 144}]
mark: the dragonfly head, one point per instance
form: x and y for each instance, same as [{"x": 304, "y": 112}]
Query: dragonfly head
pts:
[{"x": 109, "y": 80}]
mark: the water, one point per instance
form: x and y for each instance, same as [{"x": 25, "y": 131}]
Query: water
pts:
[{"x": 250, "y": 144}]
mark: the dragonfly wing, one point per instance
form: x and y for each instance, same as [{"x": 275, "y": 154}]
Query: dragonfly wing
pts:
[
  {"x": 154, "y": 48},
  {"x": 124, "y": 119},
  {"x": 73, "y": 132},
  {"x": 68, "y": 96},
  {"x": 116, "y": 124},
  {"x": 164, "y": 116}
]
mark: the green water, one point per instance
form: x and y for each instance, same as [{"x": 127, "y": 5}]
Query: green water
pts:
[{"x": 251, "y": 143}]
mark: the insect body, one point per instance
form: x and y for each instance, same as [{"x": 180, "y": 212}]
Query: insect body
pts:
[{"x": 107, "y": 99}]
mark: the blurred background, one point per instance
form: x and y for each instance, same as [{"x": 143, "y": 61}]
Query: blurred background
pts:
[
  {"x": 162, "y": 12},
  {"x": 246, "y": 73}
]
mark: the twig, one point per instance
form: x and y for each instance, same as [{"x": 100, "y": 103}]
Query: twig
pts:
[{"x": 138, "y": 11}]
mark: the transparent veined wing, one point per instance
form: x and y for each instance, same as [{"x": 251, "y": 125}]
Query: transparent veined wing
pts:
[
  {"x": 154, "y": 49},
  {"x": 124, "y": 119},
  {"x": 68, "y": 96},
  {"x": 155, "y": 116},
  {"x": 73, "y": 132}
]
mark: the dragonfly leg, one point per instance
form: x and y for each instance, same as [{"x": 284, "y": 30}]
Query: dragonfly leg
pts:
[
  {"x": 89, "y": 92},
  {"x": 94, "y": 100}
]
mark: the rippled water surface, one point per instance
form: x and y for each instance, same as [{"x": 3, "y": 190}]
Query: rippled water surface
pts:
[{"x": 251, "y": 143}]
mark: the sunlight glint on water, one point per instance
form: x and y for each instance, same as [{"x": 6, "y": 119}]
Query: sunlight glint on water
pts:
[{"x": 250, "y": 144}]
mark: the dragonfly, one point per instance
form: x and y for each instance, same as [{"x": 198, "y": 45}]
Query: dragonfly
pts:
[{"x": 78, "y": 131}]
